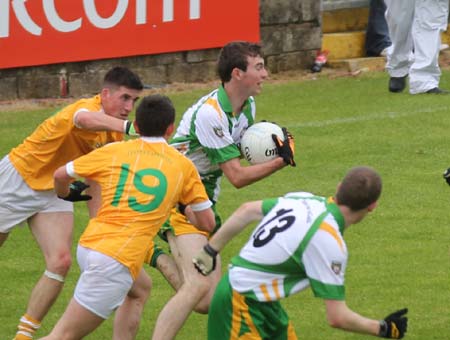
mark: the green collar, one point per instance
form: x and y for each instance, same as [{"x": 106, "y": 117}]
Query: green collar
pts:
[
  {"x": 225, "y": 103},
  {"x": 334, "y": 210}
]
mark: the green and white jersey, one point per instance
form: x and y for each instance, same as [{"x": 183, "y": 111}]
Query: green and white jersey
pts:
[
  {"x": 210, "y": 133},
  {"x": 297, "y": 244}
]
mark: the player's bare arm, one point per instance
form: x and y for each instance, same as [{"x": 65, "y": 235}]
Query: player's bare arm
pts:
[
  {"x": 340, "y": 316},
  {"x": 241, "y": 176},
  {"x": 68, "y": 189},
  {"x": 98, "y": 121},
  {"x": 62, "y": 181},
  {"x": 248, "y": 212},
  {"x": 205, "y": 260},
  {"x": 204, "y": 220},
  {"x": 393, "y": 326},
  {"x": 117, "y": 103}
]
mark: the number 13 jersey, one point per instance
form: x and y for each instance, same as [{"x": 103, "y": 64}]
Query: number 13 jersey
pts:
[{"x": 297, "y": 244}]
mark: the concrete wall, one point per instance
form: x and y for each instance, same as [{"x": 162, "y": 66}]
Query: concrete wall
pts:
[
  {"x": 290, "y": 35},
  {"x": 330, "y": 5}
]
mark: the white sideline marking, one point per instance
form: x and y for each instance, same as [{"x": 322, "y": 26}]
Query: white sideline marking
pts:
[{"x": 369, "y": 117}]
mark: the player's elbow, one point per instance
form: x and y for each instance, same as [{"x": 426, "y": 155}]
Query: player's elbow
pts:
[
  {"x": 338, "y": 314},
  {"x": 339, "y": 320},
  {"x": 237, "y": 182},
  {"x": 243, "y": 176}
]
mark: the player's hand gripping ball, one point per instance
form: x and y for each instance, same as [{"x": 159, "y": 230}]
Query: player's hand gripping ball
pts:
[
  {"x": 285, "y": 147},
  {"x": 257, "y": 145}
]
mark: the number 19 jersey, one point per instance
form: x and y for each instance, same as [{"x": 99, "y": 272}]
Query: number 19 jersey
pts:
[{"x": 141, "y": 181}]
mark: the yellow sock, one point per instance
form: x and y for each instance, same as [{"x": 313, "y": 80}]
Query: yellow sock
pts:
[{"x": 27, "y": 327}]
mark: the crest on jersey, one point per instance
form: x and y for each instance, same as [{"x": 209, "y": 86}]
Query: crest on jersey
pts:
[
  {"x": 218, "y": 131},
  {"x": 336, "y": 267}
]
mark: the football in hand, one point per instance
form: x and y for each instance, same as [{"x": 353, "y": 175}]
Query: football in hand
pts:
[{"x": 257, "y": 145}]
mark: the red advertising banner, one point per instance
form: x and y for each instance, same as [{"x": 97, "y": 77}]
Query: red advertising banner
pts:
[{"x": 38, "y": 32}]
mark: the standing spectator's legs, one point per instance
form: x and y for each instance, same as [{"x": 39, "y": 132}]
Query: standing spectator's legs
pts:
[
  {"x": 399, "y": 17},
  {"x": 430, "y": 19},
  {"x": 377, "y": 34}
]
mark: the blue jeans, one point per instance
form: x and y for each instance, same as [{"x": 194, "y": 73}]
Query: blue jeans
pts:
[{"x": 377, "y": 34}]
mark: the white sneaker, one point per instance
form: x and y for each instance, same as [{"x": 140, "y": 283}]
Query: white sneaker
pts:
[{"x": 443, "y": 47}]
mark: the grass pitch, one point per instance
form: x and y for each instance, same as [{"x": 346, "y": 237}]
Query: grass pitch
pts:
[{"x": 399, "y": 255}]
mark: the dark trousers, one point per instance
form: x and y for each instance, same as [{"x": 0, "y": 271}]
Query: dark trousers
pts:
[{"x": 377, "y": 34}]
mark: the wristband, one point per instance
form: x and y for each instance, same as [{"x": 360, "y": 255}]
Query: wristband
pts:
[
  {"x": 383, "y": 329},
  {"x": 129, "y": 129},
  {"x": 210, "y": 250}
]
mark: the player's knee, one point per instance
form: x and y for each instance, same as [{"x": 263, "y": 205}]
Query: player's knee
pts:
[
  {"x": 198, "y": 294},
  {"x": 144, "y": 289},
  {"x": 200, "y": 287},
  {"x": 202, "y": 306},
  {"x": 147, "y": 284},
  {"x": 60, "y": 263},
  {"x": 141, "y": 289}
]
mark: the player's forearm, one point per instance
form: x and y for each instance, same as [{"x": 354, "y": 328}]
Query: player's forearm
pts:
[
  {"x": 342, "y": 317},
  {"x": 98, "y": 121},
  {"x": 243, "y": 216},
  {"x": 247, "y": 175},
  {"x": 61, "y": 182},
  {"x": 203, "y": 220},
  {"x": 359, "y": 324}
]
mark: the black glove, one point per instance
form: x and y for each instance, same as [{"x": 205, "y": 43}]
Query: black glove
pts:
[
  {"x": 205, "y": 260},
  {"x": 182, "y": 208},
  {"x": 76, "y": 188},
  {"x": 285, "y": 147},
  {"x": 446, "y": 175},
  {"x": 394, "y": 325}
]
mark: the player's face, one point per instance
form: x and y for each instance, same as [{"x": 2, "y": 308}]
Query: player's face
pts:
[
  {"x": 119, "y": 102},
  {"x": 255, "y": 75}
]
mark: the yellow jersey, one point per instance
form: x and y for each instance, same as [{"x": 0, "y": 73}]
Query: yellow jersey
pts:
[
  {"x": 57, "y": 141},
  {"x": 141, "y": 180}
]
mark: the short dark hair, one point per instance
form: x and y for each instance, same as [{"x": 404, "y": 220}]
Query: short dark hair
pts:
[
  {"x": 234, "y": 54},
  {"x": 154, "y": 114},
  {"x": 122, "y": 76},
  {"x": 360, "y": 188}
]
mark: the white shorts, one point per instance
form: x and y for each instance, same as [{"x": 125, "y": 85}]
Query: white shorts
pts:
[
  {"x": 103, "y": 284},
  {"x": 18, "y": 201}
]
